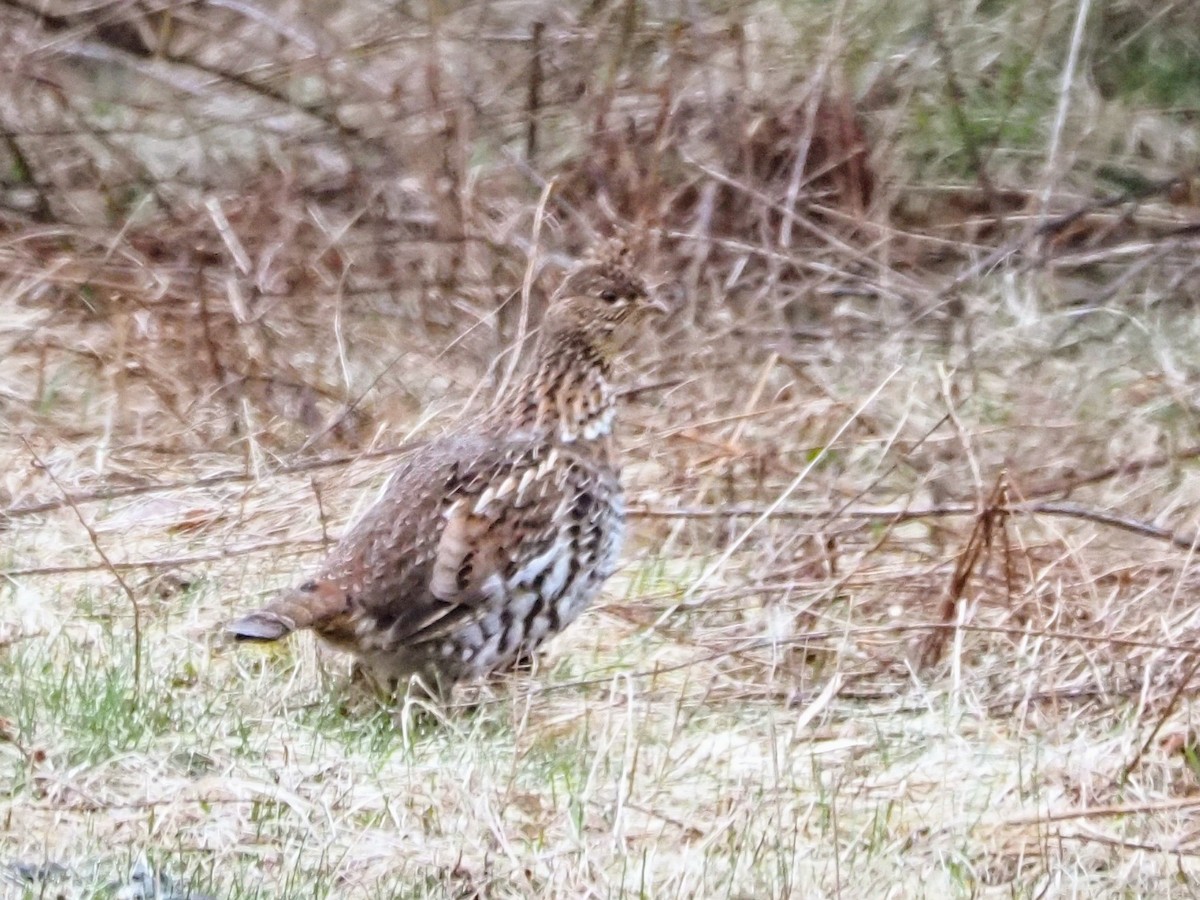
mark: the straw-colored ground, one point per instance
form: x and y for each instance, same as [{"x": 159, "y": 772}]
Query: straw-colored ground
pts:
[{"x": 909, "y": 609}]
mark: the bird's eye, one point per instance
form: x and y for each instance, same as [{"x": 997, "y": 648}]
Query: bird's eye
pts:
[{"x": 608, "y": 296}]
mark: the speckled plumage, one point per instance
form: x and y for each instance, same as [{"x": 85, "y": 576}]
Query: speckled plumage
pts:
[{"x": 493, "y": 538}]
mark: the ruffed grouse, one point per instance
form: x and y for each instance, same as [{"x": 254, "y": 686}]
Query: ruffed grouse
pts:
[{"x": 495, "y": 537}]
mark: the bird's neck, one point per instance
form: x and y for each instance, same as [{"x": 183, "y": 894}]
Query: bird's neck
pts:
[{"x": 567, "y": 397}]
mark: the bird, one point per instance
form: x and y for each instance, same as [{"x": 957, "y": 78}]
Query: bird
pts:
[{"x": 487, "y": 541}]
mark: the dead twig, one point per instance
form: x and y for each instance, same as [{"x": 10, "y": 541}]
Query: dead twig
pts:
[
  {"x": 978, "y": 547},
  {"x": 534, "y": 102},
  {"x": 1070, "y": 482},
  {"x": 1095, "y": 812},
  {"x": 1170, "y": 708},
  {"x": 290, "y": 547},
  {"x": 94, "y": 538},
  {"x": 907, "y": 514},
  {"x": 316, "y": 489},
  {"x": 206, "y": 481}
]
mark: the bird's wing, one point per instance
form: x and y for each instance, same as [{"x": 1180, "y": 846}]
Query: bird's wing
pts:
[
  {"x": 506, "y": 527},
  {"x": 461, "y": 518}
]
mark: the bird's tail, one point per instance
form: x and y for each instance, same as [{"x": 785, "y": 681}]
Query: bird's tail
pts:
[{"x": 309, "y": 605}]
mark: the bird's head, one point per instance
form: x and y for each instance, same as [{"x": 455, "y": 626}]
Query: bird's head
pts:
[{"x": 602, "y": 300}]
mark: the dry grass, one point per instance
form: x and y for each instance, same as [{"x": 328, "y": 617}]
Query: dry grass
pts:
[{"x": 908, "y": 609}]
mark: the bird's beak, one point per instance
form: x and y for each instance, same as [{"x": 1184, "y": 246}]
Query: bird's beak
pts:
[{"x": 666, "y": 299}]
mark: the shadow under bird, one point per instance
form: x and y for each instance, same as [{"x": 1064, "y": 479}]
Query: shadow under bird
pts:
[{"x": 496, "y": 536}]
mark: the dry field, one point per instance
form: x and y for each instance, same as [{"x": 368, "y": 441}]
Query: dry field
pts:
[{"x": 909, "y": 608}]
